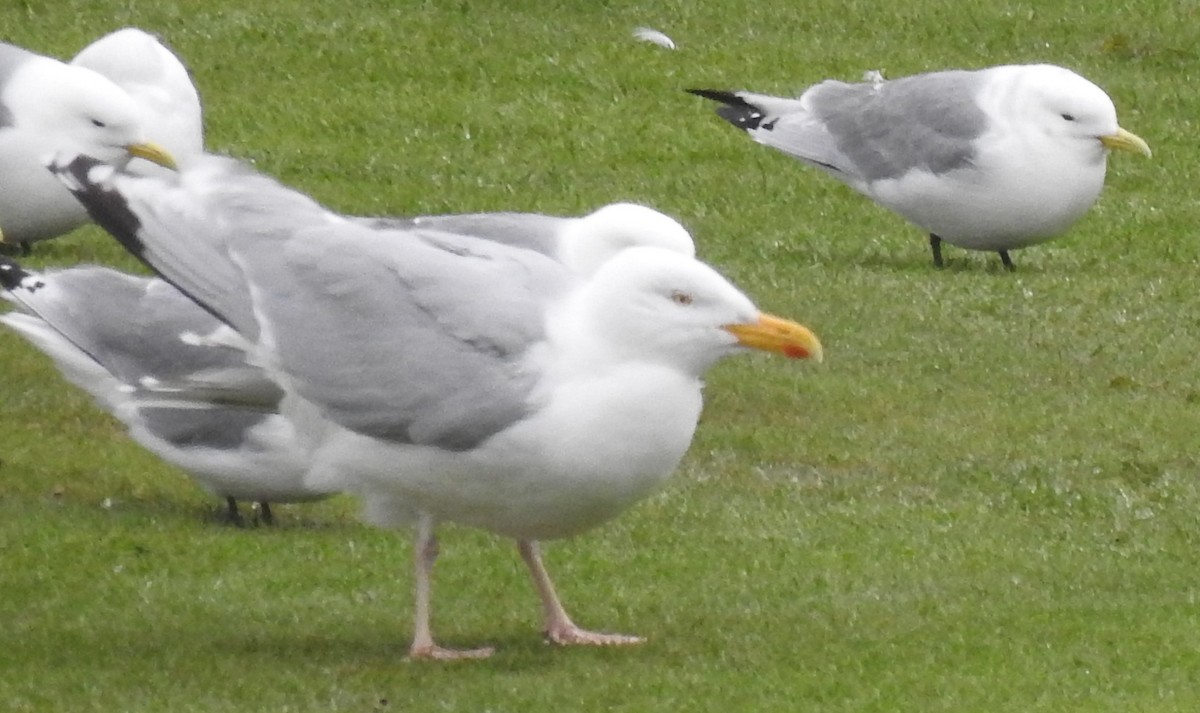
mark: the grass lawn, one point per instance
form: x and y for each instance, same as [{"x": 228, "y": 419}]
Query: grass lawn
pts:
[{"x": 987, "y": 498}]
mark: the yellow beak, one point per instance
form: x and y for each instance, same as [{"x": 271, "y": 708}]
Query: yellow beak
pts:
[
  {"x": 1126, "y": 141},
  {"x": 153, "y": 153},
  {"x": 782, "y": 336}
]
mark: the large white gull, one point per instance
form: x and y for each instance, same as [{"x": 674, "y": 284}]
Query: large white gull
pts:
[
  {"x": 157, "y": 362},
  {"x": 447, "y": 377},
  {"x": 993, "y": 159}
]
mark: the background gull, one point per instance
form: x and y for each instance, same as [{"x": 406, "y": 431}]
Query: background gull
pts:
[
  {"x": 993, "y": 159},
  {"x": 452, "y": 378},
  {"x": 47, "y": 106},
  {"x": 582, "y": 244},
  {"x": 148, "y": 355},
  {"x": 158, "y": 82}
]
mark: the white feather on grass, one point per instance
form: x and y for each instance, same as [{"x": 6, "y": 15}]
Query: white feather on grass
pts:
[{"x": 648, "y": 35}]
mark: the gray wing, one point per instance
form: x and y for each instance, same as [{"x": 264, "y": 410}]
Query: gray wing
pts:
[
  {"x": 414, "y": 337},
  {"x": 417, "y": 337},
  {"x": 532, "y": 231},
  {"x": 11, "y": 57},
  {"x": 875, "y": 131},
  {"x": 135, "y": 328},
  {"x": 199, "y": 425},
  {"x": 181, "y": 226}
]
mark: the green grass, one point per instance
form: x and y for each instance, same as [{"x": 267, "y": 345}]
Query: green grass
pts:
[{"x": 987, "y": 499}]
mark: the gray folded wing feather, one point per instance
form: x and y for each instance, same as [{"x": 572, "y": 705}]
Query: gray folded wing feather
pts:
[
  {"x": 867, "y": 132},
  {"x": 416, "y": 337},
  {"x": 532, "y": 231},
  {"x": 134, "y": 328}
]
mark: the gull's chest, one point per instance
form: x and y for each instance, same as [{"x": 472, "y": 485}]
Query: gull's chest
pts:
[{"x": 593, "y": 450}]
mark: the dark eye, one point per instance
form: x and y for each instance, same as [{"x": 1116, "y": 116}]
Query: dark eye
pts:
[
  {"x": 1068, "y": 117},
  {"x": 98, "y": 124},
  {"x": 681, "y": 298}
]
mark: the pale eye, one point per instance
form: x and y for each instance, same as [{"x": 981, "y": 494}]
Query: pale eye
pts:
[
  {"x": 681, "y": 298},
  {"x": 1068, "y": 117}
]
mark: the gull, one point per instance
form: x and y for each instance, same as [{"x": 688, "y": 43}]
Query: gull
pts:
[
  {"x": 993, "y": 159},
  {"x": 582, "y": 244},
  {"x": 449, "y": 377},
  {"x": 47, "y": 106},
  {"x": 158, "y": 82},
  {"x": 156, "y": 361}
]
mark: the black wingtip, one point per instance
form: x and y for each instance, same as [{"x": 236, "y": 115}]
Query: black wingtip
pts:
[
  {"x": 736, "y": 110},
  {"x": 11, "y": 273},
  {"x": 104, "y": 205}
]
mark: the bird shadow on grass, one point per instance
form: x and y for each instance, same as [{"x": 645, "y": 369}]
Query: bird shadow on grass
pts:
[{"x": 214, "y": 513}]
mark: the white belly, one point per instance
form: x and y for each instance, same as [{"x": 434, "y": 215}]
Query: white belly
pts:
[
  {"x": 597, "y": 448},
  {"x": 1015, "y": 195}
]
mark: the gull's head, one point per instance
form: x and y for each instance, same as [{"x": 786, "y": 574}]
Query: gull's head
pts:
[
  {"x": 590, "y": 241},
  {"x": 1073, "y": 108},
  {"x": 77, "y": 110},
  {"x": 656, "y": 305}
]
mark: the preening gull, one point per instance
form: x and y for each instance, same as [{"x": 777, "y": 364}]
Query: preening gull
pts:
[
  {"x": 48, "y": 106},
  {"x": 993, "y": 159},
  {"x": 156, "y": 361},
  {"x": 449, "y": 377},
  {"x": 158, "y": 82}
]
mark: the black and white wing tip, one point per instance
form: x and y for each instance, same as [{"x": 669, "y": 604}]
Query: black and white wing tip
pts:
[
  {"x": 90, "y": 181},
  {"x": 736, "y": 110}
]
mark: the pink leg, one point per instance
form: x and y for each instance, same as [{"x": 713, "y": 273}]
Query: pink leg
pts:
[
  {"x": 559, "y": 627},
  {"x": 423, "y": 646}
]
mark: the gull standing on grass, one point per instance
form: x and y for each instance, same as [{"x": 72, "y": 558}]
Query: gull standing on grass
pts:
[
  {"x": 447, "y": 377},
  {"x": 48, "y": 106},
  {"x": 156, "y": 361},
  {"x": 994, "y": 159}
]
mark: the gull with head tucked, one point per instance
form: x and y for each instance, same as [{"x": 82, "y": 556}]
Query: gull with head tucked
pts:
[{"x": 48, "y": 106}]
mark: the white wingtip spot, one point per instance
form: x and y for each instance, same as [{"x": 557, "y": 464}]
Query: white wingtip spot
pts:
[
  {"x": 101, "y": 173},
  {"x": 654, "y": 36}
]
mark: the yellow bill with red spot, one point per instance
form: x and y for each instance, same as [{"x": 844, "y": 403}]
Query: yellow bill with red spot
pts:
[{"x": 781, "y": 336}]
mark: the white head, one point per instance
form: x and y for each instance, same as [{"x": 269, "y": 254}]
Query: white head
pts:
[
  {"x": 156, "y": 80},
  {"x": 656, "y": 305},
  {"x": 1071, "y": 108},
  {"x": 76, "y": 110},
  {"x": 588, "y": 242}
]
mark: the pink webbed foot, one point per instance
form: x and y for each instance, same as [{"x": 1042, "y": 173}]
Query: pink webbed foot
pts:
[{"x": 571, "y": 635}]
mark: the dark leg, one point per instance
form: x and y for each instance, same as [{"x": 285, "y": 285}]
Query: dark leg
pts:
[
  {"x": 264, "y": 512},
  {"x": 935, "y": 244},
  {"x": 1004, "y": 258},
  {"x": 235, "y": 516},
  {"x": 26, "y": 249}
]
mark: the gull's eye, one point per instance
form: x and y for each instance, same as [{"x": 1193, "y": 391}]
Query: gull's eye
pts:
[
  {"x": 98, "y": 124},
  {"x": 1068, "y": 117},
  {"x": 681, "y": 298}
]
